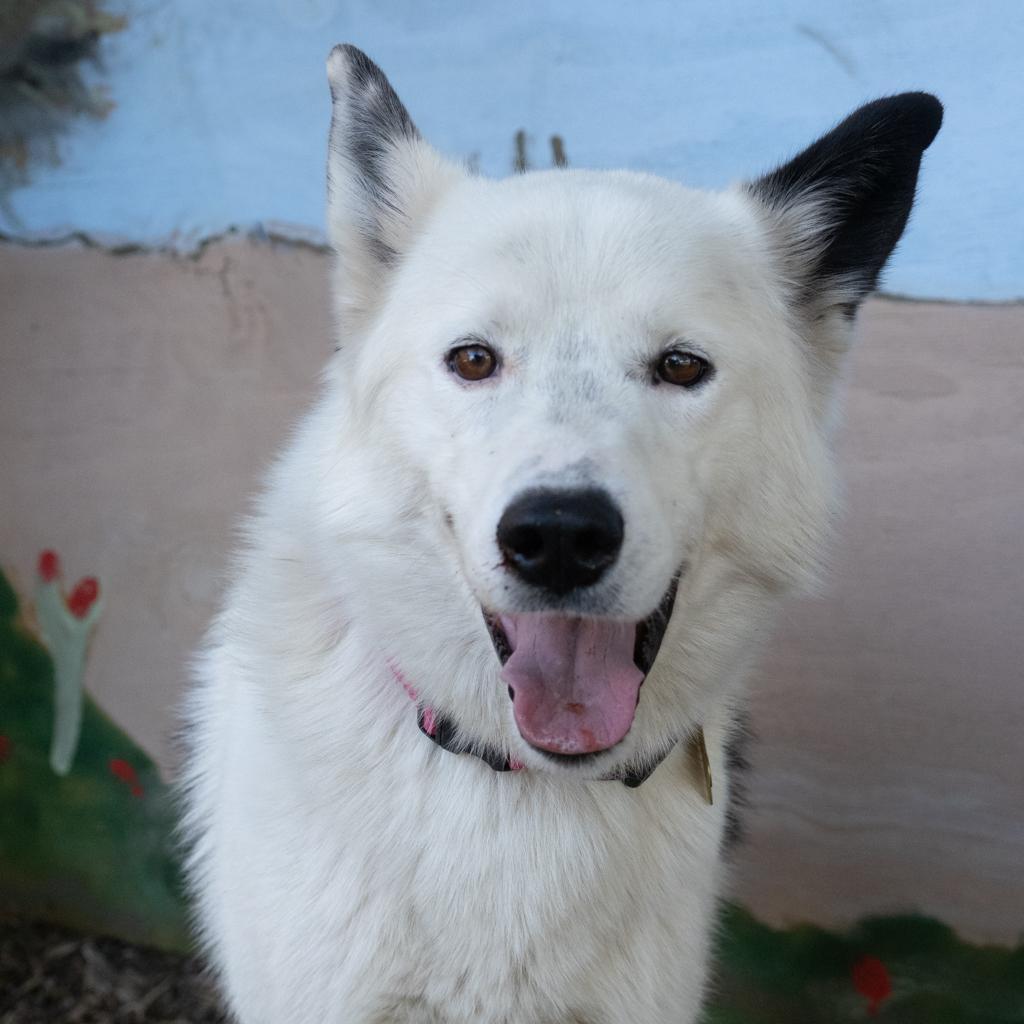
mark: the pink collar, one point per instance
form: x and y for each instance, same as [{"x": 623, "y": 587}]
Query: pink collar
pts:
[{"x": 443, "y": 732}]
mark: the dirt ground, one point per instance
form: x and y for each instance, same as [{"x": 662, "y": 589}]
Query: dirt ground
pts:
[{"x": 49, "y": 975}]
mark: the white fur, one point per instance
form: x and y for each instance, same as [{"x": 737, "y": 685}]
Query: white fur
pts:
[{"x": 348, "y": 871}]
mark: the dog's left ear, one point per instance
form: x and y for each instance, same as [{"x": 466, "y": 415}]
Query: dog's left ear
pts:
[
  {"x": 382, "y": 180},
  {"x": 841, "y": 205}
]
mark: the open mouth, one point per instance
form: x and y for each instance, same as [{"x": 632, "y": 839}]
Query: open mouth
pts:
[{"x": 575, "y": 682}]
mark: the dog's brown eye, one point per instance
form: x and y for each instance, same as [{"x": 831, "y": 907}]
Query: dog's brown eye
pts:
[
  {"x": 682, "y": 368},
  {"x": 472, "y": 362}
]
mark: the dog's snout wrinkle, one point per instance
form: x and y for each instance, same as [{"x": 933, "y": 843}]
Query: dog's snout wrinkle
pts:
[{"x": 561, "y": 540}]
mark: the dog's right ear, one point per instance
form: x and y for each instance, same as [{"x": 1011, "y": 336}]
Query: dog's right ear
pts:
[{"x": 382, "y": 180}]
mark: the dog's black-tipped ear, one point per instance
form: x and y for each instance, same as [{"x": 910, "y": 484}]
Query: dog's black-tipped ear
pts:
[
  {"x": 382, "y": 180},
  {"x": 842, "y": 204}
]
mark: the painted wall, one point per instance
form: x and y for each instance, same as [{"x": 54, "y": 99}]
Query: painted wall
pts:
[{"x": 221, "y": 108}]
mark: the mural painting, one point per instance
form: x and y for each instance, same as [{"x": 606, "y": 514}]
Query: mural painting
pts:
[{"x": 88, "y": 824}]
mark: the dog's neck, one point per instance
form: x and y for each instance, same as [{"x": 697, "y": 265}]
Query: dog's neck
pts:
[{"x": 444, "y": 732}]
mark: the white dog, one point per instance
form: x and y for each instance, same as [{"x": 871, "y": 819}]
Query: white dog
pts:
[{"x": 569, "y": 455}]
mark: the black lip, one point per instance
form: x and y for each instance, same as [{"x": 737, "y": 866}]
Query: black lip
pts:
[
  {"x": 649, "y": 633},
  {"x": 501, "y": 645}
]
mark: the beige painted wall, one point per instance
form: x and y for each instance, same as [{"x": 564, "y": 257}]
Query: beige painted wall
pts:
[{"x": 141, "y": 395}]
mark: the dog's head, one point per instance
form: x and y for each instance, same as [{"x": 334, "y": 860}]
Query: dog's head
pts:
[{"x": 601, "y": 403}]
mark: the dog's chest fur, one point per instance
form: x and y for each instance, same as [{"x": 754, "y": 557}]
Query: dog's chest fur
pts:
[{"x": 440, "y": 891}]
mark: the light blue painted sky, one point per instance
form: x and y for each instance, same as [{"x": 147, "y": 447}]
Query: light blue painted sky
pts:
[{"x": 222, "y": 108}]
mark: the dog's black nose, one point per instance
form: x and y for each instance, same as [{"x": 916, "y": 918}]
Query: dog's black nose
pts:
[{"x": 561, "y": 540}]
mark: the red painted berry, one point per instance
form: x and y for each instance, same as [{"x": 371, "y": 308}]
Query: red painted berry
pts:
[
  {"x": 82, "y": 597},
  {"x": 49, "y": 565},
  {"x": 871, "y": 979},
  {"x": 123, "y": 770}
]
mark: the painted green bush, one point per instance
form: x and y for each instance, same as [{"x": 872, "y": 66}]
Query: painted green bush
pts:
[
  {"x": 93, "y": 848},
  {"x": 893, "y": 970}
]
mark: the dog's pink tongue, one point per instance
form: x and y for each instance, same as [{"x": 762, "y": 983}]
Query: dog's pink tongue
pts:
[{"x": 574, "y": 682}]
